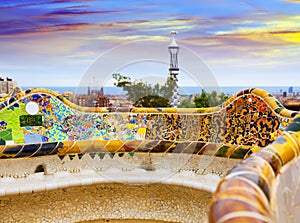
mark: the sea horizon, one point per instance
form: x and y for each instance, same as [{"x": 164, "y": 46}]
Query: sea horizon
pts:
[{"x": 183, "y": 90}]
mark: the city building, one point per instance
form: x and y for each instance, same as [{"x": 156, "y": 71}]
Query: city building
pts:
[
  {"x": 7, "y": 85},
  {"x": 93, "y": 98}
]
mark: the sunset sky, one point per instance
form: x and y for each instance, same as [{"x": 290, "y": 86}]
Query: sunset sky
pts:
[{"x": 243, "y": 43}]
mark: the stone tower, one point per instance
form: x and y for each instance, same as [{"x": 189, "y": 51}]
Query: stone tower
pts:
[{"x": 174, "y": 70}]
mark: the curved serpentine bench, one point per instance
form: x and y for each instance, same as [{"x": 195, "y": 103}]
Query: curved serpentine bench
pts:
[
  {"x": 249, "y": 118},
  {"x": 264, "y": 187},
  {"x": 201, "y": 141}
]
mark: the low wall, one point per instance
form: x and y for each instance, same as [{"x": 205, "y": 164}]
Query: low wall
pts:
[{"x": 200, "y": 164}]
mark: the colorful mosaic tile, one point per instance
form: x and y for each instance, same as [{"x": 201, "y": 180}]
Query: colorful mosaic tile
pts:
[
  {"x": 249, "y": 118},
  {"x": 246, "y": 194}
]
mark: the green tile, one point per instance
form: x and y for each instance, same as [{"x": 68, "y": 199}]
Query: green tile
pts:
[
  {"x": 31, "y": 120},
  {"x": 293, "y": 127},
  {"x": 6, "y": 134},
  {"x": 80, "y": 155},
  {"x": 222, "y": 151},
  {"x": 92, "y": 155},
  {"x": 101, "y": 155},
  {"x": 239, "y": 153},
  {"x": 111, "y": 155}
]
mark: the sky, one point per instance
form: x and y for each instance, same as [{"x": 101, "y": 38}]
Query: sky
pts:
[{"x": 233, "y": 42}]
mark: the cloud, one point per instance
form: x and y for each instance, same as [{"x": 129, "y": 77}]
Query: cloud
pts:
[
  {"x": 156, "y": 27},
  {"x": 70, "y": 33},
  {"x": 77, "y": 12},
  {"x": 293, "y": 1},
  {"x": 120, "y": 38},
  {"x": 80, "y": 55},
  {"x": 235, "y": 47},
  {"x": 22, "y": 5},
  {"x": 285, "y": 31},
  {"x": 28, "y": 31}
]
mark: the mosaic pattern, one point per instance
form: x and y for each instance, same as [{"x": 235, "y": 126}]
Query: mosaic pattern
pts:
[
  {"x": 245, "y": 194},
  {"x": 164, "y": 126},
  {"x": 250, "y": 118},
  {"x": 57, "y": 121},
  {"x": 112, "y": 147},
  {"x": 246, "y": 122}
]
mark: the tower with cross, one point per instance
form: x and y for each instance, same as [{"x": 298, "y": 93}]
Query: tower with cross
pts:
[{"x": 173, "y": 69}]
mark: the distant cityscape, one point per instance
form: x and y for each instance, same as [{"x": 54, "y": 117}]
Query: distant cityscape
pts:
[{"x": 96, "y": 97}]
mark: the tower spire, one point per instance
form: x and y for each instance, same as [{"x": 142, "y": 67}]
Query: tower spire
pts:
[{"x": 173, "y": 69}]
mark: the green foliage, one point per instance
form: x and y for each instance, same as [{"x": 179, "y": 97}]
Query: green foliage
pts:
[
  {"x": 185, "y": 103},
  {"x": 153, "y": 101},
  {"x": 121, "y": 80},
  {"x": 166, "y": 90},
  {"x": 201, "y": 101},
  {"x": 143, "y": 94},
  {"x": 210, "y": 99},
  {"x": 223, "y": 97},
  {"x": 137, "y": 90}
]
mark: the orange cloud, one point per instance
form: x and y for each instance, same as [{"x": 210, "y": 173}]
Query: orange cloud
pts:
[
  {"x": 295, "y": 1},
  {"x": 283, "y": 31}
]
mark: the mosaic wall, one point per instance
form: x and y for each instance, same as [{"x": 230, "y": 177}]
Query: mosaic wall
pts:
[
  {"x": 39, "y": 122},
  {"x": 259, "y": 186},
  {"x": 39, "y": 116}
]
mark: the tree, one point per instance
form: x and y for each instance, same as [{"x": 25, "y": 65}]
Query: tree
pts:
[
  {"x": 121, "y": 80},
  {"x": 223, "y": 97},
  {"x": 210, "y": 99},
  {"x": 153, "y": 101},
  {"x": 185, "y": 103},
  {"x": 166, "y": 90},
  {"x": 142, "y": 94},
  {"x": 201, "y": 101},
  {"x": 213, "y": 98},
  {"x": 137, "y": 90}
]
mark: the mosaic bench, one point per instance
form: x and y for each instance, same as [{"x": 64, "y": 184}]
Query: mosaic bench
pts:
[
  {"x": 40, "y": 123},
  {"x": 265, "y": 187},
  {"x": 251, "y": 118}
]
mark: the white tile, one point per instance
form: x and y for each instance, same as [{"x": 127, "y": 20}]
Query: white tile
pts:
[
  {"x": 11, "y": 190},
  {"x": 144, "y": 179},
  {"x": 86, "y": 181},
  {"x": 2, "y": 191},
  {"x": 39, "y": 187},
  {"x": 63, "y": 183},
  {"x": 9, "y": 142},
  {"x": 75, "y": 182},
  {"x": 25, "y": 188},
  {"x": 132, "y": 179},
  {"x": 51, "y": 185}
]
